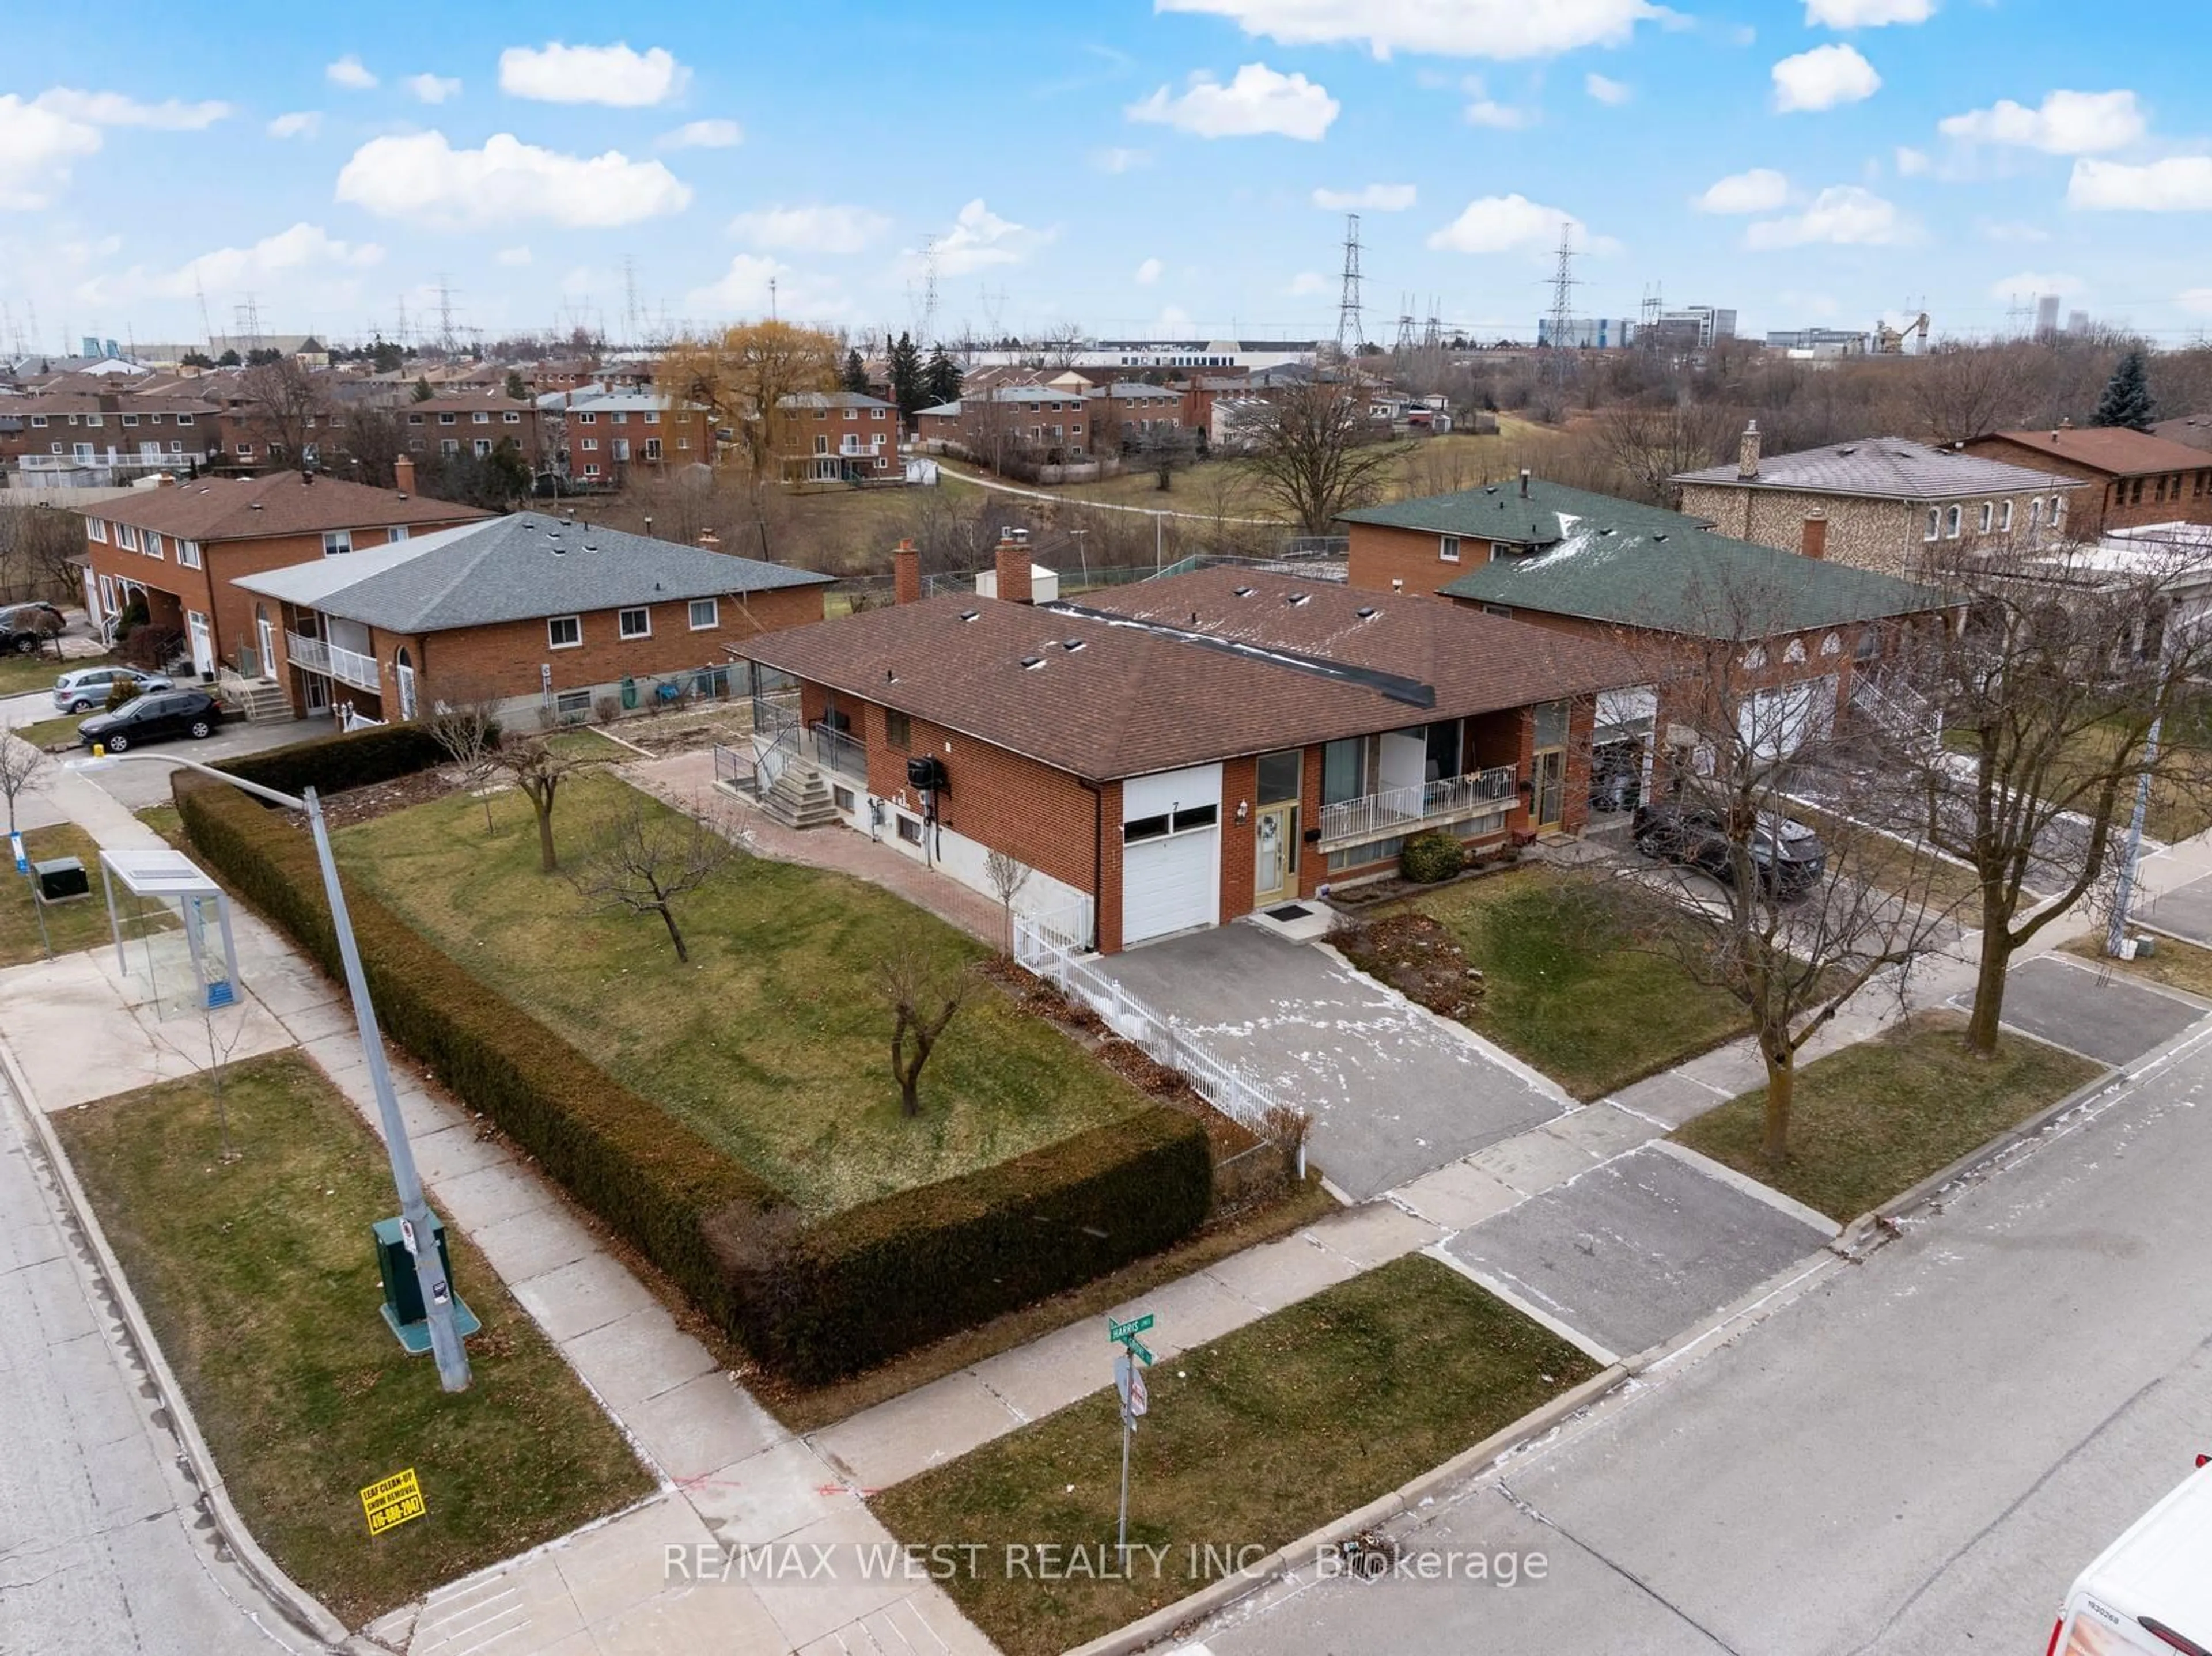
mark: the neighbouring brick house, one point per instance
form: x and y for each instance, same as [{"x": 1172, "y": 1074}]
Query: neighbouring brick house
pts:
[
  {"x": 2134, "y": 479},
  {"x": 600, "y": 436},
  {"x": 49, "y": 436},
  {"x": 545, "y": 614},
  {"x": 1808, "y": 638},
  {"x": 822, "y": 438},
  {"x": 1889, "y": 502},
  {"x": 1182, "y": 751},
  {"x": 181, "y": 546},
  {"x": 469, "y": 425},
  {"x": 1052, "y": 424}
]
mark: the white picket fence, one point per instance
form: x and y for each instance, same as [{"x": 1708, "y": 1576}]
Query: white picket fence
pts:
[{"x": 1052, "y": 947}]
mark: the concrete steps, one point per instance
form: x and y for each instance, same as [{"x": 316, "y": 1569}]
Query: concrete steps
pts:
[
  {"x": 799, "y": 799},
  {"x": 258, "y": 700}
]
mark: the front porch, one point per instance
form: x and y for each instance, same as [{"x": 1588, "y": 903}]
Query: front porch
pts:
[{"x": 1460, "y": 776}]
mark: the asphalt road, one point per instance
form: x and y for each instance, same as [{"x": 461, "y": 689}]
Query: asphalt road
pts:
[
  {"x": 102, "y": 1546},
  {"x": 1917, "y": 1454},
  {"x": 138, "y": 785}
]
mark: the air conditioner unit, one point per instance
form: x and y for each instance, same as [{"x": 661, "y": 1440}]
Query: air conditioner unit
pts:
[{"x": 926, "y": 772}]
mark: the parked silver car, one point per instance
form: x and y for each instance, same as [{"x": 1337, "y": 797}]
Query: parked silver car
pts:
[{"x": 86, "y": 689}]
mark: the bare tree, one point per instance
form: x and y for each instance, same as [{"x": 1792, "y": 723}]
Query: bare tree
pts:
[
  {"x": 37, "y": 543},
  {"x": 1957, "y": 394},
  {"x": 1007, "y": 876},
  {"x": 372, "y": 444},
  {"x": 21, "y": 770},
  {"x": 1314, "y": 454},
  {"x": 538, "y": 769},
  {"x": 644, "y": 858},
  {"x": 284, "y": 402},
  {"x": 1061, "y": 345},
  {"x": 1648, "y": 446},
  {"x": 924, "y": 989},
  {"x": 2050, "y": 693},
  {"x": 463, "y": 721}
]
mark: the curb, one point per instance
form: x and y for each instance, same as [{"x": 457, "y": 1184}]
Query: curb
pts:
[
  {"x": 1163, "y": 1622},
  {"x": 298, "y": 1605}
]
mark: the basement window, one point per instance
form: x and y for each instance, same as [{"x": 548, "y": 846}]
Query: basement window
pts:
[{"x": 910, "y": 829}]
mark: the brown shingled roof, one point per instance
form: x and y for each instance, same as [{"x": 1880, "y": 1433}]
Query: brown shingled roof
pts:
[
  {"x": 1145, "y": 688},
  {"x": 225, "y": 508},
  {"x": 2114, "y": 450}
]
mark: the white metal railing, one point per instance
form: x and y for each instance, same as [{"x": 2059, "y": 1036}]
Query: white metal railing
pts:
[
  {"x": 309, "y": 653},
  {"x": 1396, "y": 810},
  {"x": 1051, "y": 947},
  {"x": 1897, "y": 706},
  {"x": 736, "y": 769},
  {"x": 841, "y": 752},
  {"x": 351, "y": 667}
]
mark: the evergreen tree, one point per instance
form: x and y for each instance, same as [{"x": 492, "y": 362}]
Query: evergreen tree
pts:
[
  {"x": 941, "y": 380},
  {"x": 422, "y": 388},
  {"x": 907, "y": 388},
  {"x": 855, "y": 375},
  {"x": 516, "y": 391},
  {"x": 2127, "y": 399},
  {"x": 386, "y": 355}
]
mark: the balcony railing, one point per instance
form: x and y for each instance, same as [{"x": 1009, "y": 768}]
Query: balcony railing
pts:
[
  {"x": 840, "y": 750},
  {"x": 309, "y": 653},
  {"x": 349, "y": 667},
  {"x": 1402, "y": 810}
]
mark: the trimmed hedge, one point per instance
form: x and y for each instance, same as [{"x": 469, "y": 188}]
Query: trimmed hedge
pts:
[
  {"x": 332, "y": 764},
  {"x": 816, "y": 1301}
]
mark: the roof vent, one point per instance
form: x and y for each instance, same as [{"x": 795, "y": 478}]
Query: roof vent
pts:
[
  {"x": 560, "y": 551},
  {"x": 1658, "y": 538},
  {"x": 1030, "y": 663},
  {"x": 1071, "y": 645},
  {"x": 1365, "y": 612},
  {"x": 970, "y": 615},
  {"x": 1297, "y": 599},
  {"x": 1604, "y": 531},
  {"x": 1848, "y": 448},
  {"x": 253, "y": 506},
  {"x": 1244, "y": 591}
]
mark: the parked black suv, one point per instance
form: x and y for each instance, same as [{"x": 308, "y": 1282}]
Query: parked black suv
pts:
[
  {"x": 153, "y": 717},
  {"x": 25, "y": 627},
  {"x": 1788, "y": 855}
]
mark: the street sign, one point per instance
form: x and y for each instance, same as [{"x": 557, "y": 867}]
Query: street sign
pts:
[
  {"x": 1138, "y": 1398},
  {"x": 407, "y": 1237},
  {"x": 392, "y": 1501},
  {"x": 1139, "y": 1350},
  {"x": 1128, "y": 1329}
]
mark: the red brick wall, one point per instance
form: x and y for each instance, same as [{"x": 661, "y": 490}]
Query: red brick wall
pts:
[
  {"x": 2183, "y": 495},
  {"x": 792, "y": 442},
  {"x": 685, "y": 440},
  {"x": 1380, "y": 555}
]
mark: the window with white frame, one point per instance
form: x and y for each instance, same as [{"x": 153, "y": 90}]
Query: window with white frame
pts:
[
  {"x": 481, "y": 417},
  {"x": 590, "y": 446},
  {"x": 449, "y": 446},
  {"x": 130, "y": 419},
  {"x": 153, "y": 548},
  {"x": 1935, "y": 529},
  {"x": 705, "y": 613},
  {"x": 396, "y": 534},
  {"x": 587, "y": 419},
  {"x": 126, "y": 537},
  {"x": 1954, "y": 520},
  {"x": 1448, "y": 547},
  {"x": 336, "y": 541},
  {"x": 1831, "y": 646},
  {"x": 188, "y": 554},
  {"x": 1795, "y": 652},
  {"x": 2057, "y": 510},
  {"x": 2004, "y": 518},
  {"x": 2034, "y": 516},
  {"x": 245, "y": 450},
  {"x": 564, "y": 632},
  {"x": 1988, "y": 518},
  {"x": 96, "y": 528},
  {"x": 184, "y": 419},
  {"x": 39, "y": 420},
  {"x": 634, "y": 624},
  {"x": 510, "y": 418},
  {"x": 653, "y": 416},
  {"x": 592, "y": 470}
]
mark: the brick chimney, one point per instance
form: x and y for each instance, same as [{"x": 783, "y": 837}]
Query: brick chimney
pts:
[
  {"x": 403, "y": 472},
  {"x": 1013, "y": 562},
  {"x": 1747, "y": 454},
  {"x": 1816, "y": 535},
  {"x": 906, "y": 574}
]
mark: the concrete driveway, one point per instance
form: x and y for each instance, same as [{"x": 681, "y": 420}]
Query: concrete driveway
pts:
[
  {"x": 2185, "y": 912},
  {"x": 1394, "y": 1091},
  {"x": 2069, "y": 1003}
]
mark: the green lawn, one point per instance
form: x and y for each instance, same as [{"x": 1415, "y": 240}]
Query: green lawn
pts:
[
  {"x": 51, "y": 732},
  {"x": 1870, "y": 1122},
  {"x": 1252, "y": 1440},
  {"x": 1565, "y": 995},
  {"x": 774, "y": 1042},
  {"x": 74, "y": 924},
  {"x": 21, "y": 673},
  {"x": 2176, "y": 964},
  {"x": 260, "y": 1278}
]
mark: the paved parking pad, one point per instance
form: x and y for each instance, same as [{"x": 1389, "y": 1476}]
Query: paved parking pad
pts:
[
  {"x": 2099, "y": 1014},
  {"x": 1636, "y": 1249},
  {"x": 2186, "y": 911}
]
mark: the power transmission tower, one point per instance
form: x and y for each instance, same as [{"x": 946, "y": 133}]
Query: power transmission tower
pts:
[
  {"x": 445, "y": 314},
  {"x": 207, "y": 328},
  {"x": 247, "y": 320},
  {"x": 928, "y": 331},
  {"x": 400, "y": 337},
  {"x": 1351, "y": 335},
  {"x": 1563, "y": 302},
  {"x": 1647, "y": 321},
  {"x": 1432, "y": 329},
  {"x": 1403, "y": 345},
  {"x": 629, "y": 294}
]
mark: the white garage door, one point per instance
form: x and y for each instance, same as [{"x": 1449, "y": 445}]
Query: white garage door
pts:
[{"x": 1171, "y": 852}]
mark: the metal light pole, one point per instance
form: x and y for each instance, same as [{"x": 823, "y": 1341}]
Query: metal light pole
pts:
[
  {"x": 446, "y": 1345},
  {"x": 2116, "y": 932}
]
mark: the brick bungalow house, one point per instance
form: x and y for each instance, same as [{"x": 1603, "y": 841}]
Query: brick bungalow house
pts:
[
  {"x": 544, "y": 614},
  {"x": 2134, "y": 479},
  {"x": 1185, "y": 750},
  {"x": 181, "y": 545},
  {"x": 1888, "y": 501},
  {"x": 1805, "y": 638}
]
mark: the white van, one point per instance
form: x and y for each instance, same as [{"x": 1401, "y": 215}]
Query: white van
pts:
[{"x": 2151, "y": 1589}]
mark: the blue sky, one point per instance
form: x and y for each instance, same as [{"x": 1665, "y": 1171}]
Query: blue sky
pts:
[{"x": 1138, "y": 170}]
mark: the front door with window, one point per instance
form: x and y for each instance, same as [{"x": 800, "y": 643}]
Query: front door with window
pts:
[
  {"x": 1274, "y": 855},
  {"x": 267, "y": 666},
  {"x": 196, "y": 628},
  {"x": 1548, "y": 808}
]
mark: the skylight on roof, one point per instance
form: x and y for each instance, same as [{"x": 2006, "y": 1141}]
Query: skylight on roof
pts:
[
  {"x": 1030, "y": 663},
  {"x": 1297, "y": 599},
  {"x": 970, "y": 615}
]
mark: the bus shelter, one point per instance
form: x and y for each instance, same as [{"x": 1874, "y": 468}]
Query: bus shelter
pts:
[{"x": 141, "y": 884}]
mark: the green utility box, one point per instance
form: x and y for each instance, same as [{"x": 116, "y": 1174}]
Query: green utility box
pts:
[{"x": 403, "y": 1289}]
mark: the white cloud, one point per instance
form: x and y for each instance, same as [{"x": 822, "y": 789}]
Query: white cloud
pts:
[
  {"x": 2067, "y": 124},
  {"x": 515, "y": 256},
  {"x": 115, "y": 109},
  {"x": 422, "y": 177},
  {"x": 2179, "y": 184},
  {"x": 1822, "y": 78},
  {"x": 350, "y": 73},
  {"x": 1605, "y": 89},
  {"x": 812, "y": 230},
  {"x": 299, "y": 123},
  {"x": 1842, "y": 215},
  {"x": 1910, "y": 162},
  {"x": 703, "y": 134},
  {"x": 1149, "y": 272},
  {"x": 2198, "y": 300},
  {"x": 36, "y": 148},
  {"x": 1173, "y": 319},
  {"x": 1866, "y": 14},
  {"x": 433, "y": 88},
  {"x": 1506, "y": 224},
  {"x": 755, "y": 283},
  {"x": 287, "y": 261},
  {"x": 979, "y": 237},
  {"x": 1502, "y": 118},
  {"x": 558, "y": 74},
  {"x": 1373, "y": 199},
  {"x": 1257, "y": 102},
  {"x": 1120, "y": 160},
  {"x": 1503, "y": 29},
  {"x": 2039, "y": 282},
  {"x": 1306, "y": 282},
  {"x": 1760, "y": 191}
]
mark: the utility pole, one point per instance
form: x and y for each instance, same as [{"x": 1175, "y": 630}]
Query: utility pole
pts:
[{"x": 1349, "y": 333}]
